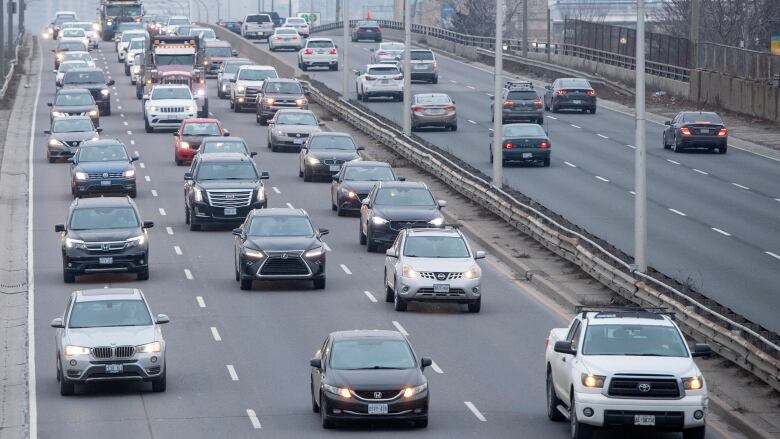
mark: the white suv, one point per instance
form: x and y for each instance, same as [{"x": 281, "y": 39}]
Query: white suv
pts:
[
  {"x": 379, "y": 80},
  {"x": 166, "y": 106},
  {"x": 247, "y": 85},
  {"x": 625, "y": 367},
  {"x": 318, "y": 52},
  {"x": 136, "y": 46},
  {"x": 433, "y": 264}
]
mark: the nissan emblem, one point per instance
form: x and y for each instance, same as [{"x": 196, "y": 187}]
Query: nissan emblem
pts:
[{"x": 441, "y": 276}]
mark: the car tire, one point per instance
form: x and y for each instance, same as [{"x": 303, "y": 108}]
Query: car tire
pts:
[
  {"x": 325, "y": 420},
  {"x": 303, "y": 67},
  {"x": 421, "y": 423},
  {"x": 307, "y": 174},
  {"x": 231, "y": 104},
  {"x": 127, "y": 69},
  {"x": 364, "y": 96},
  {"x": 454, "y": 127},
  {"x": 546, "y": 163},
  {"x": 246, "y": 283},
  {"x": 314, "y": 407},
  {"x": 68, "y": 277},
  {"x": 263, "y": 120},
  {"x": 540, "y": 121},
  {"x": 220, "y": 94},
  {"x": 236, "y": 108},
  {"x": 722, "y": 149},
  {"x": 361, "y": 235},
  {"x": 161, "y": 383},
  {"x": 578, "y": 429},
  {"x": 148, "y": 127},
  {"x": 300, "y": 175},
  {"x": 546, "y": 108},
  {"x": 553, "y": 108},
  {"x": 593, "y": 110},
  {"x": 193, "y": 226},
  {"x": 475, "y": 306},
  {"x": 205, "y": 112},
  {"x": 319, "y": 284},
  {"x": 143, "y": 274},
  {"x": 552, "y": 401},
  {"x": 235, "y": 269},
  {"x": 186, "y": 215},
  {"x": 399, "y": 304},
  {"x": 334, "y": 67},
  {"x": 389, "y": 292},
  {"x": 663, "y": 140},
  {"x": 133, "y": 193},
  {"x": 66, "y": 388},
  {"x": 179, "y": 162},
  {"x": 138, "y": 94},
  {"x": 435, "y": 80},
  {"x": 371, "y": 246},
  {"x": 51, "y": 159},
  {"x": 676, "y": 147},
  {"x": 357, "y": 92},
  {"x": 694, "y": 433},
  {"x": 108, "y": 109}
]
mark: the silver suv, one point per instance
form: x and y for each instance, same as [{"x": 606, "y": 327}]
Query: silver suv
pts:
[
  {"x": 424, "y": 66},
  {"x": 109, "y": 334}
]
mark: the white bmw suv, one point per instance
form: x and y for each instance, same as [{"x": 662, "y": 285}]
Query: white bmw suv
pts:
[{"x": 166, "y": 106}]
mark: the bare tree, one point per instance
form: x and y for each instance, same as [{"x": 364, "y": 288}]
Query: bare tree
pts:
[{"x": 478, "y": 17}]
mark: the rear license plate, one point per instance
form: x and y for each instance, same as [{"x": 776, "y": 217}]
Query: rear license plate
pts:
[
  {"x": 647, "y": 420},
  {"x": 335, "y": 168},
  {"x": 435, "y": 112},
  {"x": 420, "y": 67},
  {"x": 230, "y": 211},
  {"x": 704, "y": 131},
  {"x": 441, "y": 288},
  {"x": 105, "y": 182},
  {"x": 114, "y": 368},
  {"x": 320, "y": 52},
  {"x": 377, "y": 409},
  {"x": 576, "y": 102},
  {"x": 527, "y": 155},
  {"x": 106, "y": 260},
  {"x": 299, "y": 141},
  {"x": 384, "y": 81}
]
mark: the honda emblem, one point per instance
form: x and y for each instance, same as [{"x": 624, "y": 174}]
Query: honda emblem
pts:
[
  {"x": 644, "y": 387},
  {"x": 377, "y": 395},
  {"x": 105, "y": 246}
]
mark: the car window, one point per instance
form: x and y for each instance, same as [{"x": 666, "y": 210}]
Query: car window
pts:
[
  {"x": 436, "y": 247},
  {"x": 229, "y": 146},
  {"x": 109, "y": 153},
  {"x": 320, "y": 44},
  {"x": 66, "y": 99},
  {"x": 522, "y": 95},
  {"x": 70, "y": 65},
  {"x": 109, "y": 313},
  {"x": 371, "y": 354},
  {"x": 280, "y": 226},
  {"x": 701, "y": 118},
  {"x": 232, "y": 67},
  {"x": 92, "y": 77},
  {"x": 73, "y": 33},
  {"x": 573, "y": 83},
  {"x": 72, "y": 46},
  {"x": 207, "y": 34},
  {"x": 201, "y": 129},
  {"x": 422, "y": 55},
  {"x": 332, "y": 142},
  {"x": 171, "y": 93},
  {"x": 81, "y": 56},
  {"x": 128, "y": 36},
  {"x": 262, "y": 18},
  {"x": 639, "y": 340},
  {"x": 226, "y": 171},
  {"x": 572, "y": 329},
  {"x": 69, "y": 125},
  {"x": 433, "y": 99},
  {"x": 99, "y": 218},
  {"x": 64, "y": 19},
  {"x": 296, "y": 119},
  {"x": 368, "y": 173},
  {"x": 525, "y": 130},
  {"x": 175, "y": 21},
  {"x": 136, "y": 44},
  {"x": 256, "y": 75},
  {"x": 391, "y": 46},
  {"x": 575, "y": 337},
  {"x": 404, "y": 197},
  {"x": 219, "y": 51},
  {"x": 174, "y": 60},
  {"x": 384, "y": 70},
  {"x": 283, "y": 88}
]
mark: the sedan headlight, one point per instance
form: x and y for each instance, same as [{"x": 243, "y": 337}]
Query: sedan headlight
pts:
[
  {"x": 240, "y": 89},
  {"x": 411, "y": 391},
  {"x": 378, "y": 220},
  {"x": 473, "y": 272},
  {"x": 409, "y": 272},
  {"x": 184, "y": 145},
  {"x": 593, "y": 381},
  {"x": 300, "y": 102},
  {"x": 74, "y": 243},
  {"x": 341, "y": 391},
  {"x": 129, "y": 173},
  {"x": 693, "y": 383},
  {"x": 436, "y": 221},
  {"x": 149, "y": 348},
  {"x": 192, "y": 108},
  {"x": 351, "y": 194},
  {"x": 201, "y": 92},
  {"x": 55, "y": 142},
  {"x": 93, "y": 113},
  {"x": 71, "y": 351},
  {"x": 81, "y": 175},
  {"x": 136, "y": 240},
  {"x": 104, "y": 92},
  {"x": 314, "y": 253},
  {"x": 312, "y": 160},
  {"x": 253, "y": 254},
  {"x": 279, "y": 132},
  {"x": 57, "y": 114}
]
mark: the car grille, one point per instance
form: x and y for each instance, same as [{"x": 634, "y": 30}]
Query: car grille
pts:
[
  {"x": 113, "y": 352},
  {"x": 73, "y": 143},
  {"x": 284, "y": 103},
  {"x": 105, "y": 246},
  {"x": 438, "y": 275},
  {"x": 377, "y": 395},
  {"x": 251, "y": 94},
  {"x": 75, "y": 113},
  {"x": 620, "y": 418},
  {"x": 284, "y": 264},
  {"x": 454, "y": 292},
  {"x": 102, "y": 175},
  {"x": 181, "y": 81},
  {"x": 172, "y": 109},
  {"x": 333, "y": 162},
  {"x": 641, "y": 387},
  {"x": 298, "y": 135},
  {"x": 399, "y": 225},
  {"x": 229, "y": 198}
]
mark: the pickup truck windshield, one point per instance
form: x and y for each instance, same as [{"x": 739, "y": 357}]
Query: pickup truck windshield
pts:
[
  {"x": 224, "y": 52},
  {"x": 256, "y": 75},
  {"x": 257, "y": 19},
  {"x": 634, "y": 340}
]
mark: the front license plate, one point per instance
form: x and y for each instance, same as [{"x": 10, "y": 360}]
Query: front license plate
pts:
[
  {"x": 335, "y": 168},
  {"x": 105, "y": 182},
  {"x": 230, "y": 211},
  {"x": 114, "y": 368},
  {"x": 576, "y": 102},
  {"x": 377, "y": 409},
  {"x": 106, "y": 260},
  {"x": 646, "y": 420},
  {"x": 441, "y": 288}
]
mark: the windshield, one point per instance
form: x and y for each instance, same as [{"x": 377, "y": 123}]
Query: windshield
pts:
[
  {"x": 371, "y": 354},
  {"x": 433, "y": 99},
  {"x": 107, "y": 313},
  {"x": 178, "y": 21},
  {"x": 422, "y": 55},
  {"x": 66, "y": 99},
  {"x": 87, "y": 27},
  {"x": 573, "y": 83},
  {"x": 396, "y": 47},
  {"x": 81, "y": 56},
  {"x": 256, "y": 75},
  {"x": 92, "y": 77},
  {"x": 232, "y": 67},
  {"x": 123, "y": 10},
  {"x": 320, "y": 44},
  {"x": 219, "y": 51},
  {"x": 206, "y": 34},
  {"x": 64, "y": 19},
  {"x": 390, "y": 70},
  {"x": 288, "y": 88},
  {"x": 286, "y": 31},
  {"x": 127, "y": 36},
  {"x": 174, "y": 60},
  {"x": 639, "y": 340},
  {"x": 332, "y": 142},
  {"x": 368, "y": 173},
  {"x": 183, "y": 31},
  {"x": 701, "y": 118},
  {"x": 124, "y": 27},
  {"x": 280, "y": 226},
  {"x": 529, "y": 130},
  {"x": 70, "y": 125},
  {"x": 226, "y": 171},
  {"x": 101, "y": 218},
  {"x": 159, "y": 93},
  {"x": 296, "y": 119},
  {"x": 367, "y": 24},
  {"x": 70, "y": 65},
  {"x": 108, "y": 153},
  {"x": 404, "y": 197},
  {"x": 436, "y": 247},
  {"x": 71, "y": 46},
  {"x": 136, "y": 44},
  {"x": 229, "y": 146},
  {"x": 73, "y": 33},
  {"x": 201, "y": 129}
]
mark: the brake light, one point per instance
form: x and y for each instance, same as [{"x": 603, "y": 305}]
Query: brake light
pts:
[
  {"x": 560, "y": 92},
  {"x": 308, "y": 52},
  {"x": 332, "y": 52},
  {"x": 435, "y": 64},
  {"x": 723, "y": 132},
  {"x": 418, "y": 108},
  {"x": 544, "y": 144},
  {"x": 360, "y": 29},
  {"x": 508, "y": 145},
  {"x": 277, "y": 38},
  {"x": 398, "y": 77},
  {"x": 370, "y": 78},
  {"x": 295, "y": 37},
  {"x": 685, "y": 131},
  {"x": 591, "y": 92},
  {"x": 381, "y": 52},
  {"x": 538, "y": 103},
  {"x": 509, "y": 103},
  {"x": 450, "y": 108}
]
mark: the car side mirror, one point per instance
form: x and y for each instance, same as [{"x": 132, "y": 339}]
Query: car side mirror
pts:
[
  {"x": 99, "y": 130},
  {"x": 360, "y": 148},
  {"x": 188, "y": 175},
  {"x": 148, "y": 224},
  {"x": 668, "y": 123},
  {"x": 264, "y": 175},
  {"x": 480, "y": 255},
  {"x": 73, "y": 160},
  {"x": 110, "y": 82},
  {"x": 315, "y": 363},
  {"x": 175, "y": 133},
  {"x": 323, "y": 232},
  {"x": 252, "y": 154},
  {"x": 491, "y": 135},
  {"x": 365, "y": 201},
  {"x": 401, "y": 178},
  {"x": 135, "y": 157},
  {"x": 57, "y": 323},
  {"x": 226, "y": 133},
  {"x": 442, "y": 203},
  {"x": 335, "y": 177},
  {"x": 46, "y": 131},
  {"x": 59, "y": 228},
  {"x": 322, "y": 124},
  {"x": 548, "y": 87},
  {"x": 237, "y": 232},
  {"x": 564, "y": 347},
  {"x": 390, "y": 253},
  {"x": 425, "y": 362},
  {"x": 145, "y": 97},
  {"x": 701, "y": 350},
  {"x": 50, "y": 104},
  {"x": 162, "y": 319},
  {"x": 358, "y": 73}
]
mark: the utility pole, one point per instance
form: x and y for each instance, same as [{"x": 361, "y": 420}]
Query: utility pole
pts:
[
  {"x": 345, "y": 71},
  {"x": 640, "y": 177},
  {"x": 289, "y": 8},
  {"x": 694, "y": 37},
  {"x": 498, "y": 105},
  {"x": 525, "y": 28},
  {"x": 549, "y": 39},
  {"x": 407, "y": 114},
  {"x": 10, "y": 8},
  {"x": 2, "y": 43},
  {"x": 22, "y": 6}
]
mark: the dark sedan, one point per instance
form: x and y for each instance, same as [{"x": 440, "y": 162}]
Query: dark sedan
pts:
[
  {"x": 367, "y": 30},
  {"x": 571, "y": 94},
  {"x": 75, "y": 102},
  {"x": 94, "y": 80},
  {"x": 696, "y": 129},
  {"x": 103, "y": 167},
  {"x": 369, "y": 375},
  {"x": 67, "y": 46},
  {"x": 323, "y": 154},
  {"x": 354, "y": 181},
  {"x": 279, "y": 244},
  {"x": 523, "y": 143},
  {"x": 395, "y": 205},
  {"x": 231, "y": 24},
  {"x": 66, "y": 135}
]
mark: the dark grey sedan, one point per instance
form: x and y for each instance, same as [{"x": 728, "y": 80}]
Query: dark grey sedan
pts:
[
  {"x": 570, "y": 94},
  {"x": 324, "y": 153},
  {"x": 66, "y": 135},
  {"x": 352, "y": 184},
  {"x": 74, "y": 102}
]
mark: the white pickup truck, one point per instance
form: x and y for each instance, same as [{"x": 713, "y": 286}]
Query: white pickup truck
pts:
[
  {"x": 257, "y": 26},
  {"x": 625, "y": 368}
]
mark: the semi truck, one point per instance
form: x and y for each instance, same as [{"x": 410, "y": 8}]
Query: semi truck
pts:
[{"x": 113, "y": 12}]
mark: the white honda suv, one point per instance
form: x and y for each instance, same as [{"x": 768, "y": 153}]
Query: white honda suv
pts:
[
  {"x": 380, "y": 80},
  {"x": 166, "y": 106}
]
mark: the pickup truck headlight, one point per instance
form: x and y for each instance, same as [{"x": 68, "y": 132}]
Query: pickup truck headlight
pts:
[
  {"x": 240, "y": 89},
  {"x": 436, "y": 221},
  {"x": 104, "y": 92},
  {"x": 74, "y": 243},
  {"x": 149, "y": 348},
  {"x": 93, "y": 113},
  {"x": 269, "y": 101},
  {"x": 71, "y": 351},
  {"x": 301, "y": 102},
  {"x": 261, "y": 194},
  {"x": 198, "y": 195},
  {"x": 593, "y": 381},
  {"x": 340, "y": 391},
  {"x": 378, "y": 220},
  {"x": 693, "y": 383},
  {"x": 81, "y": 175},
  {"x": 411, "y": 391}
]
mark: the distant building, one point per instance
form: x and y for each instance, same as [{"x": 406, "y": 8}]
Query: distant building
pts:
[{"x": 617, "y": 12}]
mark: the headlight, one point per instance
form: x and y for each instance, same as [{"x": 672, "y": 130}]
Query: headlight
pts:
[
  {"x": 192, "y": 108},
  {"x": 71, "y": 351},
  {"x": 136, "y": 69},
  {"x": 129, "y": 173},
  {"x": 269, "y": 101},
  {"x": 81, "y": 175},
  {"x": 279, "y": 132},
  {"x": 408, "y": 271},
  {"x": 411, "y": 391},
  {"x": 693, "y": 383},
  {"x": 240, "y": 89},
  {"x": 473, "y": 272},
  {"x": 253, "y": 254},
  {"x": 136, "y": 240},
  {"x": 201, "y": 92},
  {"x": 312, "y": 160},
  {"x": 149, "y": 348},
  {"x": 95, "y": 137},
  {"x": 300, "y": 102},
  {"x": 343, "y": 392},
  {"x": 55, "y": 142},
  {"x": 593, "y": 381},
  {"x": 57, "y": 114},
  {"x": 261, "y": 194},
  {"x": 74, "y": 243},
  {"x": 60, "y": 56},
  {"x": 351, "y": 194},
  {"x": 314, "y": 253},
  {"x": 184, "y": 145},
  {"x": 93, "y": 113},
  {"x": 95, "y": 26},
  {"x": 378, "y": 220},
  {"x": 153, "y": 108},
  {"x": 198, "y": 195},
  {"x": 104, "y": 92},
  {"x": 436, "y": 222}
]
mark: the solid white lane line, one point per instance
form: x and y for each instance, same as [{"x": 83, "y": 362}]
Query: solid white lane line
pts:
[
  {"x": 370, "y": 296},
  {"x": 346, "y": 270},
  {"x": 672, "y": 162},
  {"x": 142, "y": 165},
  {"x": 232, "y": 372},
  {"x": 290, "y": 206},
  {"x": 741, "y": 187},
  {"x": 724, "y": 233},
  {"x": 700, "y": 171},
  {"x": 147, "y": 178},
  {"x": 473, "y": 88},
  {"x": 162, "y": 211},
  {"x": 200, "y": 301},
  {"x": 552, "y": 117},
  {"x": 631, "y": 146},
  {"x": 436, "y": 367},
  {"x": 188, "y": 274},
  {"x": 471, "y": 121},
  {"x": 602, "y": 136},
  {"x": 215, "y": 334},
  {"x": 177, "y": 249},
  {"x": 400, "y": 328},
  {"x": 253, "y": 419},
  {"x": 602, "y": 179},
  {"x": 475, "y": 411},
  {"x": 154, "y": 193},
  {"x": 326, "y": 246},
  {"x": 169, "y": 230},
  {"x": 276, "y": 189},
  {"x": 677, "y": 212},
  {"x": 575, "y": 126},
  {"x": 570, "y": 164},
  {"x": 774, "y": 255}
]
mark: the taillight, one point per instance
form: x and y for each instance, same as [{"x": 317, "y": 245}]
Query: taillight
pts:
[
  {"x": 277, "y": 38},
  {"x": 398, "y": 77},
  {"x": 418, "y": 108},
  {"x": 295, "y": 37},
  {"x": 450, "y": 108},
  {"x": 591, "y": 92},
  {"x": 308, "y": 52},
  {"x": 544, "y": 144},
  {"x": 381, "y": 52},
  {"x": 560, "y": 92},
  {"x": 723, "y": 132},
  {"x": 509, "y": 103},
  {"x": 370, "y": 78},
  {"x": 435, "y": 64},
  {"x": 508, "y": 145},
  {"x": 538, "y": 103},
  {"x": 685, "y": 131},
  {"x": 332, "y": 52},
  {"x": 360, "y": 29}
]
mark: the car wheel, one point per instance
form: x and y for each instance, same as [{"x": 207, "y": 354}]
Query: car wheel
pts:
[
  {"x": 546, "y": 163},
  {"x": 133, "y": 193},
  {"x": 160, "y": 384},
  {"x": 143, "y": 274},
  {"x": 421, "y": 423},
  {"x": 399, "y": 304},
  {"x": 138, "y": 94},
  {"x": 304, "y": 67},
  {"x": 220, "y": 94},
  {"x": 193, "y": 227},
  {"x": 694, "y": 433},
  {"x": 333, "y": 205},
  {"x": 307, "y": 174},
  {"x": 51, "y": 159},
  {"x": 314, "y": 407},
  {"x": 722, "y": 149},
  {"x": 231, "y": 104},
  {"x": 663, "y": 140},
  {"x": 364, "y": 96},
  {"x": 676, "y": 147},
  {"x": 66, "y": 388},
  {"x": 554, "y": 108},
  {"x": 546, "y": 107},
  {"x": 205, "y": 112},
  {"x": 578, "y": 429},
  {"x": 540, "y": 121},
  {"x": 552, "y": 401},
  {"x": 179, "y": 162},
  {"x": 236, "y": 107},
  {"x": 389, "y": 293},
  {"x": 319, "y": 284},
  {"x": 300, "y": 174},
  {"x": 324, "y": 418},
  {"x": 148, "y": 127},
  {"x": 263, "y": 121},
  {"x": 362, "y": 236},
  {"x": 357, "y": 92},
  {"x": 593, "y": 110},
  {"x": 68, "y": 277},
  {"x": 127, "y": 70},
  {"x": 246, "y": 283},
  {"x": 235, "y": 268},
  {"x": 371, "y": 246}
]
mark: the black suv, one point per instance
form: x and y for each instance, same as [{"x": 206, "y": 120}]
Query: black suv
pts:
[
  {"x": 104, "y": 235},
  {"x": 222, "y": 188},
  {"x": 276, "y": 94},
  {"x": 94, "y": 80},
  {"x": 279, "y": 244}
]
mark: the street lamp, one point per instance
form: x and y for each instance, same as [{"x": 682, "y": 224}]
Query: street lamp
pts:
[
  {"x": 640, "y": 167},
  {"x": 498, "y": 107}
]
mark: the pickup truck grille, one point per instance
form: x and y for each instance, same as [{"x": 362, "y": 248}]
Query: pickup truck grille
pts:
[
  {"x": 251, "y": 94},
  {"x": 229, "y": 198},
  {"x": 641, "y": 387}
]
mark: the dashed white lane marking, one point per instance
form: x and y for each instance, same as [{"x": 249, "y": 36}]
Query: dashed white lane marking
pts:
[
  {"x": 631, "y": 146},
  {"x": 154, "y": 193},
  {"x": 290, "y": 205},
  {"x": 177, "y": 249},
  {"x": 436, "y": 367},
  {"x": 215, "y": 334},
  {"x": 201, "y": 302},
  {"x": 253, "y": 419},
  {"x": 119, "y": 107},
  {"x": 632, "y": 192},
  {"x": 552, "y": 117},
  {"x": 490, "y": 95},
  {"x": 777, "y": 199},
  {"x": 370, "y": 296},
  {"x": 672, "y": 162},
  {"x": 475, "y": 411},
  {"x": 162, "y": 211},
  {"x": 471, "y": 121},
  {"x": 700, "y": 171},
  {"x": 490, "y": 129},
  {"x": 232, "y": 372},
  {"x": 147, "y": 178},
  {"x": 454, "y": 82},
  {"x": 741, "y": 187},
  {"x": 722, "y": 232},
  {"x": 345, "y": 268},
  {"x": 276, "y": 190},
  {"x": 129, "y": 133},
  {"x": 125, "y": 123},
  {"x": 169, "y": 230},
  {"x": 326, "y": 246},
  {"x": 400, "y": 328},
  {"x": 575, "y": 126},
  {"x": 774, "y": 255},
  {"x": 602, "y": 136},
  {"x": 122, "y": 115},
  {"x": 132, "y": 142},
  {"x": 142, "y": 165},
  {"x": 570, "y": 164},
  {"x": 602, "y": 179},
  {"x": 188, "y": 274},
  {"x": 677, "y": 212},
  {"x": 473, "y": 88}
]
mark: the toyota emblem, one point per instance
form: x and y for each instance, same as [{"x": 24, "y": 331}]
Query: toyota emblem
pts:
[
  {"x": 298, "y": 135},
  {"x": 284, "y": 255},
  {"x": 377, "y": 395},
  {"x": 105, "y": 175},
  {"x": 644, "y": 387},
  {"x": 441, "y": 276}
]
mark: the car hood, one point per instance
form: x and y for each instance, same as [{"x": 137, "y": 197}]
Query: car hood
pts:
[
  {"x": 195, "y": 140},
  {"x": 97, "y": 167},
  {"x": 443, "y": 264},
  {"x": 171, "y": 102},
  {"x": 175, "y": 68},
  {"x": 118, "y": 336},
  {"x": 226, "y": 76},
  {"x": 611, "y": 364},
  {"x": 105, "y": 235},
  {"x": 247, "y": 83},
  {"x": 228, "y": 184},
  {"x": 73, "y": 108},
  {"x": 374, "y": 379},
  {"x": 281, "y": 243},
  {"x": 88, "y": 86},
  {"x": 303, "y": 129},
  {"x": 400, "y": 213},
  {"x": 340, "y": 154},
  {"x": 78, "y": 135},
  {"x": 283, "y": 95},
  {"x": 360, "y": 187}
]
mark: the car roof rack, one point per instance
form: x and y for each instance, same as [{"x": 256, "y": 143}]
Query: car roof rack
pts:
[
  {"x": 518, "y": 84},
  {"x": 605, "y": 311}
]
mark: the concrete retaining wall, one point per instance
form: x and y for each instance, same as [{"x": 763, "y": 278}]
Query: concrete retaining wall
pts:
[{"x": 752, "y": 98}]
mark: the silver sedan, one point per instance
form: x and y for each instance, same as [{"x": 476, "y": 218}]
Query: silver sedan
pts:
[{"x": 290, "y": 128}]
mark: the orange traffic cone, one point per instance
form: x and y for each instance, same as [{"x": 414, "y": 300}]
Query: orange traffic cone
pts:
[{"x": 368, "y": 14}]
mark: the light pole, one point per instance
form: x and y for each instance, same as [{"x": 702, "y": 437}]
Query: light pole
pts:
[
  {"x": 345, "y": 50},
  {"x": 407, "y": 114},
  {"x": 640, "y": 177},
  {"x": 525, "y": 28},
  {"x": 498, "y": 105}
]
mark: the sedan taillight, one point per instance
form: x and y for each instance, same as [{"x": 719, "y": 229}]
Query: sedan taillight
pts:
[
  {"x": 591, "y": 92},
  {"x": 370, "y": 78},
  {"x": 418, "y": 108},
  {"x": 450, "y": 108},
  {"x": 332, "y": 52},
  {"x": 538, "y": 103},
  {"x": 308, "y": 52},
  {"x": 508, "y": 145},
  {"x": 685, "y": 131},
  {"x": 544, "y": 144},
  {"x": 723, "y": 132}
]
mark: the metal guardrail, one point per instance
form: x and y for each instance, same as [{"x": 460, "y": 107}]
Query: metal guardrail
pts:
[
  {"x": 12, "y": 66},
  {"x": 628, "y": 62},
  {"x": 736, "y": 61}
]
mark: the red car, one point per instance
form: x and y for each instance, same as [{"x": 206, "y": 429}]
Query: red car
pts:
[{"x": 190, "y": 135}]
